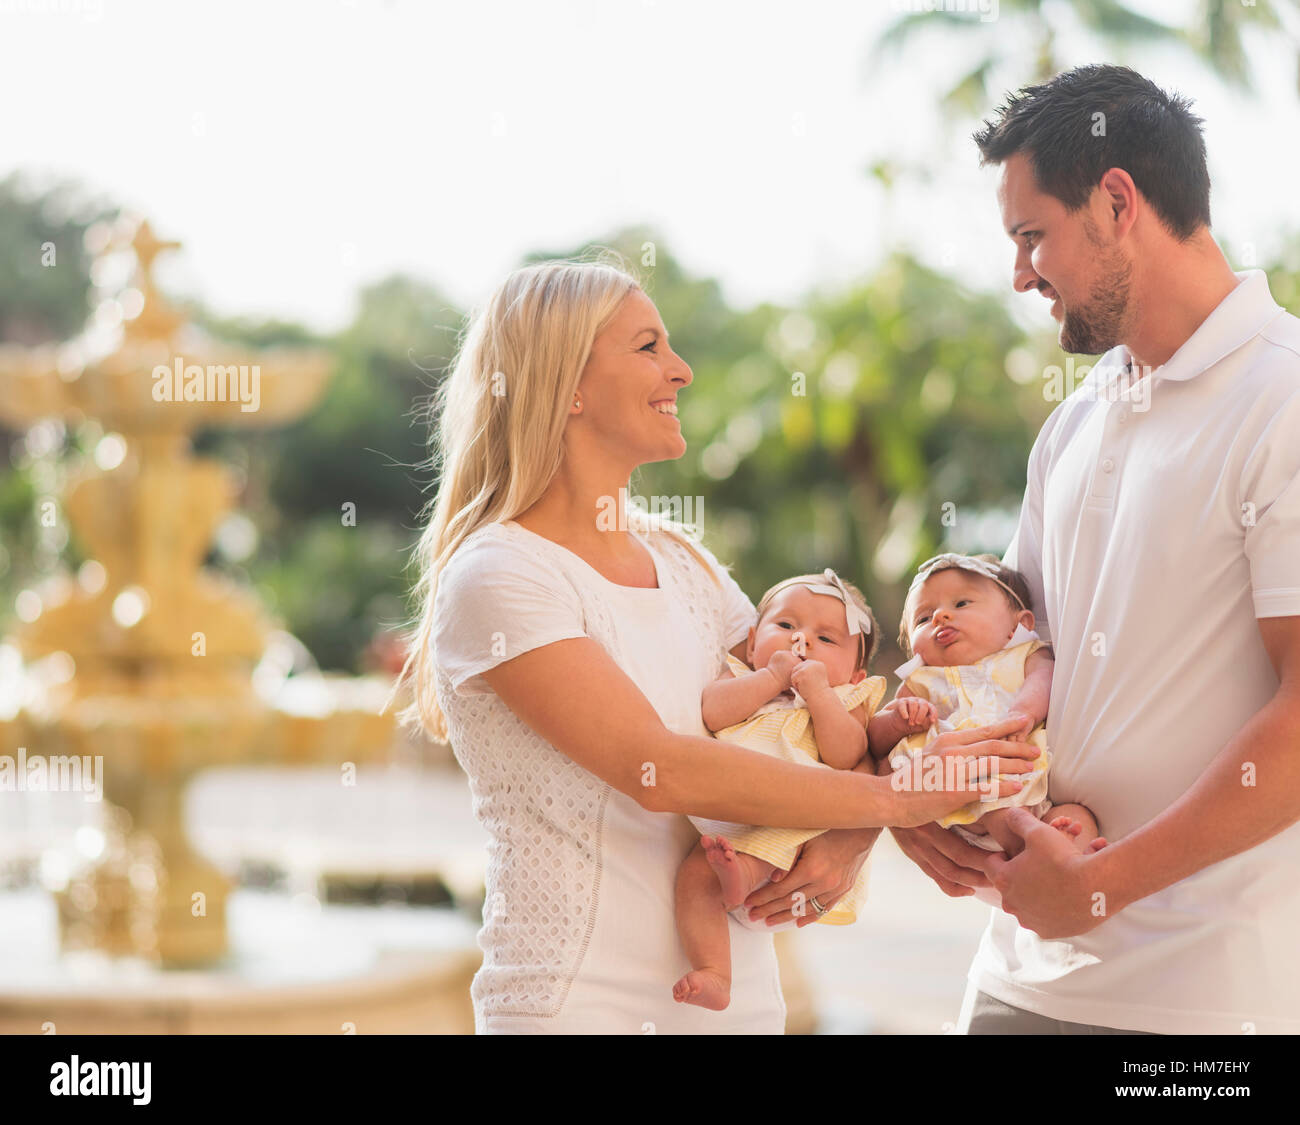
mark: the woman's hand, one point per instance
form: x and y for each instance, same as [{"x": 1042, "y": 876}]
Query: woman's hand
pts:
[
  {"x": 826, "y": 869},
  {"x": 958, "y": 767}
]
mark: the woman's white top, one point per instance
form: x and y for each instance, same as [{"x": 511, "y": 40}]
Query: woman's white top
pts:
[{"x": 578, "y": 925}]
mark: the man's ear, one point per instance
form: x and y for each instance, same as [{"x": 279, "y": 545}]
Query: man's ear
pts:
[{"x": 1121, "y": 199}]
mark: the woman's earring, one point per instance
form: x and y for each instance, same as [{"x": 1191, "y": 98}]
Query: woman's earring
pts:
[{"x": 576, "y": 402}]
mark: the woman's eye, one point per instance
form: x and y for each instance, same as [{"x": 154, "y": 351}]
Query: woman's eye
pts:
[{"x": 650, "y": 346}]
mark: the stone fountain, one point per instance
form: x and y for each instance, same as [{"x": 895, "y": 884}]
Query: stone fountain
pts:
[{"x": 157, "y": 651}]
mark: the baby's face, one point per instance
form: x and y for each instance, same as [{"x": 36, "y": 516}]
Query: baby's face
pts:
[
  {"x": 959, "y": 618},
  {"x": 821, "y": 620}
]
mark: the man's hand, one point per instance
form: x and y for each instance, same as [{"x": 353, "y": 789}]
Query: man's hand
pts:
[
  {"x": 956, "y": 866},
  {"x": 826, "y": 869},
  {"x": 1049, "y": 886}
]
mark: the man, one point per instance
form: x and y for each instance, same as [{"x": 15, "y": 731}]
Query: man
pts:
[{"x": 1160, "y": 533}]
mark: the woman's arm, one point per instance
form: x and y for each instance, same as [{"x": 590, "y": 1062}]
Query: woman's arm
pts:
[{"x": 573, "y": 694}]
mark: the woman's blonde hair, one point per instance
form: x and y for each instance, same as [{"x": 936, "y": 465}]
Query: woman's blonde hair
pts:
[{"x": 500, "y": 422}]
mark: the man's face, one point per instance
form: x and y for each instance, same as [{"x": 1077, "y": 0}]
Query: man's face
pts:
[{"x": 1063, "y": 255}]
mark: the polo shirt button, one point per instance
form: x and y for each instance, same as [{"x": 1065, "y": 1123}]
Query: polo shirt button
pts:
[{"x": 1108, "y": 466}]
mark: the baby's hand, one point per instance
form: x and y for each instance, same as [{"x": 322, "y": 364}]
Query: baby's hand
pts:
[
  {"x": 917, "y": 714},
  {"x": 809, "y": 677},
  {"x": 781, "y": 664},
  {"x": 1023, "y": 732}
]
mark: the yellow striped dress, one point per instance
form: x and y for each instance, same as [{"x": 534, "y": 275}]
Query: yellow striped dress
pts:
[
  {"x": 785, "y": 731},
  {"x": 975, "y": 695}
]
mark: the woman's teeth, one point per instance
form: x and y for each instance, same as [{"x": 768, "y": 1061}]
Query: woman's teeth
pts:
[{"x": 665, "y": 407}]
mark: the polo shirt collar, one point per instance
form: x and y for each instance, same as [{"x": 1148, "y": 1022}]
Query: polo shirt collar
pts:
[{"x": 1239, "y": 317}]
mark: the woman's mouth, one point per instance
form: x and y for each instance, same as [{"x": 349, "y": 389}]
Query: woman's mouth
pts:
[{"x": 665, "y": 406}]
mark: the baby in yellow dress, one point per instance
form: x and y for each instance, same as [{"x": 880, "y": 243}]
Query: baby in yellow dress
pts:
[
  {"x": 802, "y": 694},
  {"x": 977, "y": 661}
]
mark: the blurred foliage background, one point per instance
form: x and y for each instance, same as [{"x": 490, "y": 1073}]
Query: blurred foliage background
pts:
[{"x": 921, "y": 401}]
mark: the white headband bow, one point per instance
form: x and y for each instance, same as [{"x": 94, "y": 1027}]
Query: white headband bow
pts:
[
  {"x": 951, "y": 561},
  {"x": 859, "y": 621}
]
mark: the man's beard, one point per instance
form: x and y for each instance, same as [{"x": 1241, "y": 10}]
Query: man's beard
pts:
[{"x": 1099, "y": 325}]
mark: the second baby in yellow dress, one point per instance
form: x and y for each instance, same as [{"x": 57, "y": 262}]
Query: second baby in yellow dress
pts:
[{"x": 976, "y": 661}]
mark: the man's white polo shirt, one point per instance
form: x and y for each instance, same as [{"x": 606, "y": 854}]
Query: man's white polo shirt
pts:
[{"x": 1154, "y": 531}]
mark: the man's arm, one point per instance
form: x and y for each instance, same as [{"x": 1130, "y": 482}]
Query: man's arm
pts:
[{"x": 1247, "y": 794}]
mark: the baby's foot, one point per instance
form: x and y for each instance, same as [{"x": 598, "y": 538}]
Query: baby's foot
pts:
[
  {"x": 704, "y": 988},
  {"x": 735, "y": 871},
  {"x": 1071, "y": 828}
]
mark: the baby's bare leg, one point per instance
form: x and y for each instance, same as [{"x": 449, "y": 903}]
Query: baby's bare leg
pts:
[
  {"x": 737, "y": 872},
  {"x": 702, "y": 927}
]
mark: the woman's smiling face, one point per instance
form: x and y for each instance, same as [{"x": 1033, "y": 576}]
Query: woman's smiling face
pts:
[
  {"x": 958, "y": 618},
  {"x": 629, "y": 387}
]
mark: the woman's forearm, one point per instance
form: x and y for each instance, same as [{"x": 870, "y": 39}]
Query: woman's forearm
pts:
[{"x": 721, "y": 781}]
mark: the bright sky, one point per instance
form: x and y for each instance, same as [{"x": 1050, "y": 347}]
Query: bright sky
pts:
[{"x": 303, "y": 149}]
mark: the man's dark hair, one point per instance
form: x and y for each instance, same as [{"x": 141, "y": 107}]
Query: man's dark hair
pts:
[{"x": 1152, "y": 135}]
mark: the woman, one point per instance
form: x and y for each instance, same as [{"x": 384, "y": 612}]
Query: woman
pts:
[{"x": 564, "y": 644}]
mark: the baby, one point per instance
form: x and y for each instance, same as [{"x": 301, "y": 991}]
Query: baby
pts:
[
  {"x": 802, "y": 694},
  {"x": 977, "y": 661}
]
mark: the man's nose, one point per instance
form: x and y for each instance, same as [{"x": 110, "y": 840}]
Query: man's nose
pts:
[{"x": 1023, "y": 277}]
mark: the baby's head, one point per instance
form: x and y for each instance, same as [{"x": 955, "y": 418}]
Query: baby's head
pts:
[
  {"x": 962, "y": 608},
  {"x": 818, "y": 606}
]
